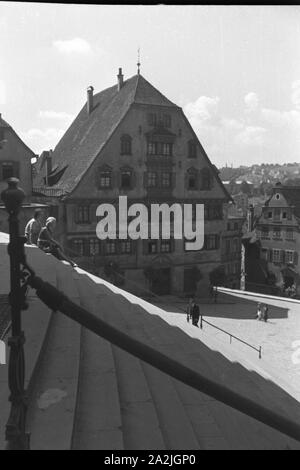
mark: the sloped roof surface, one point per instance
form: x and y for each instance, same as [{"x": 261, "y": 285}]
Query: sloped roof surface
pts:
[{"x": 87, "y": 135}]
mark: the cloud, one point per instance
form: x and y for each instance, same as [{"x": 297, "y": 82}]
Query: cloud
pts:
[
  {"x": 251, "y": 136},
  {"x": 204, "y": 109},
  {"x": 75, "y": 45},
  {"x": 56, "y": 115},
  {"x": 2, "y": 92},
  {"x": 295, "y": 98},
  {"x": 39, "y": 140},
  {"x": 257, "y": 134},
  {"x": 251, "y": 101}
]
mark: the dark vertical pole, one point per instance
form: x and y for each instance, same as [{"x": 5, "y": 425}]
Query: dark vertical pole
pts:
[{"x": 15, "y": 427}]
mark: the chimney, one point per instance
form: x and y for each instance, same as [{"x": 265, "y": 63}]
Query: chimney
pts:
[
  {"x": 90, "y": 97},
  {"x": 120, "y": 79},
  {"x": 48, "y": 165},
  {"x": 251, "y": 218}
]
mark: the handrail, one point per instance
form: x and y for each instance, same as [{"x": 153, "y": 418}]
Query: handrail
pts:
[
  {"x": 57, "y": 301},
  {"x": 259, "y": 350}
]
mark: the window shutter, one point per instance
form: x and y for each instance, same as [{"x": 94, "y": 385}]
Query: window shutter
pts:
[
  {"x": 97, "y": 178},
  {"x": 295, "y": 258},
  {"x": 282, "y": 256}
]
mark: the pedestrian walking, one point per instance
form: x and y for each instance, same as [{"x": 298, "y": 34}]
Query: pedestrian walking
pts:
[
  {"x": 188, "y": 310},
  {"x": 259, "y": 312},
  {"x": 33, "y": 227},
  {"x": 195, "y": 313},
  {"x": 266, "y": 313}
]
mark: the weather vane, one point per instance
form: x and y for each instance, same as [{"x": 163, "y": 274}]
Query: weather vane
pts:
[{"x": 138, "y": 62}]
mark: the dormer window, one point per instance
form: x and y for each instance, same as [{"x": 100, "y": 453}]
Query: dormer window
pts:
[{"x": 126, "y": 144}]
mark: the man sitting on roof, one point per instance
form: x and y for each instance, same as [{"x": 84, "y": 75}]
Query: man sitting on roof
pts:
[{"x": 47, "y": 243}]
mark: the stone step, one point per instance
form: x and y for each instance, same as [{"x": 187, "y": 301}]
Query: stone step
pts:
[
  {"x": 98, "y": 423},
  {"x": 52, "y": 406},
  {"x": 36, "y": 325}
]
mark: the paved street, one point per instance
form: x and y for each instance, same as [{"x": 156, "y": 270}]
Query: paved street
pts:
[{"x": 237, "y": 317}]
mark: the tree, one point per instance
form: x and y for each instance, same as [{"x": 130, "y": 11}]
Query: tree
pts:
[{"x": 217, "y": 276}]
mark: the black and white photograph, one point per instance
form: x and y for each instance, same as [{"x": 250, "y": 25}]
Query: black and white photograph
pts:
[{"x": 149, "y": 229}]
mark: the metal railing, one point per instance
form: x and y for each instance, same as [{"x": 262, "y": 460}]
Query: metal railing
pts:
[
  {"x": 231, "y": 336},
  {"x": 22, "y": 276}
]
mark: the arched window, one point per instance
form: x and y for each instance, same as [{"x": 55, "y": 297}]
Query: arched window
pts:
[
  {"x": 192, "y": 149},
  {"x": 126, "y": 144}
]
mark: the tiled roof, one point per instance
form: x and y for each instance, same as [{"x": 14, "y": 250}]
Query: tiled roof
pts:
[{"x": 87, "y": 135}]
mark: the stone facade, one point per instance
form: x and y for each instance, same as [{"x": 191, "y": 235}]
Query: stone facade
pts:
[{"x": 152, "y": 156}]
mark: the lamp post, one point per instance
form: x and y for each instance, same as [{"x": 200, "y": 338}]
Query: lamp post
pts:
[{"x": 15, "y": 427}]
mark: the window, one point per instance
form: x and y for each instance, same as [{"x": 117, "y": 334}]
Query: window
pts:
[
  {"x": 94, "y": 246},
  {"x": 126, "y": 145},
  {"x": 289, "y": 234},
  {"x": 236, "y": 226},
  {"x": 270, "y": 215},
  {"x": 206, "y": 182},
  {"x": 165, "y": 246},
  {"x": 78, "y": 246},
  {"x": 152, "y": 247},
  {"x": 167, "y": 120},
  {"x": 126, "y": 179},
  {"x": 265, "y": 232},
  {"x": 276, "y": 256},
  {"x": 126, "y": 246},
  {"x": 211, "y": 242},
  {"x": 289, "y": 256},
  {"x": 105, "y": 180},
  {"x": 235, "y": 245},
  {"x": 166, "y": 179},
  {"x": 83, "y": 215},
  {"x": 228, "y": 226},
  {"x": 110, "y": 247},
  {"x": 159, "y": 148},
  {"x": 284, "y": 215},
  {"x": 192, "y": 149},
  {"x": 192, "y": 179},
  {"x": 228, "y": 246},
  {"x": 10, "y": 169},
  {"x": 277, "y": 232},
  {"x": 159, "y": 119},
  {"x": 151, "y": 179},
  {"x": 277, "y": 213}
]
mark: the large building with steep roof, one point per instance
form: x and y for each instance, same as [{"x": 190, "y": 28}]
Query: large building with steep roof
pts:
[{"x": 131, "y": 140}]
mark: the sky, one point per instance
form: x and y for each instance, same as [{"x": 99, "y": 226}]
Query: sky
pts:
[{"x": 235, "y": 70}]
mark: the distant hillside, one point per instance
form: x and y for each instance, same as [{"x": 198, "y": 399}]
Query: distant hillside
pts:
[{"x": 288, "y": 173}]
